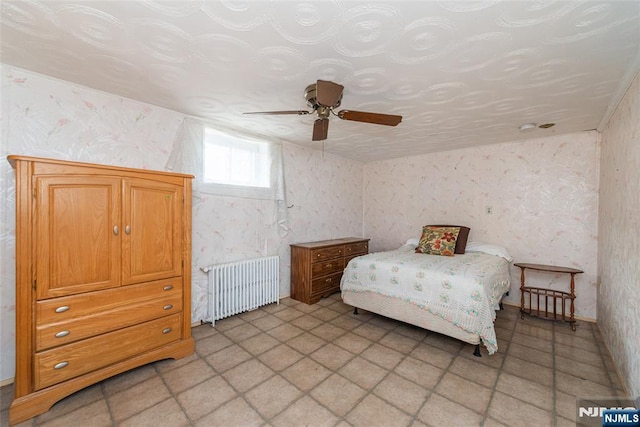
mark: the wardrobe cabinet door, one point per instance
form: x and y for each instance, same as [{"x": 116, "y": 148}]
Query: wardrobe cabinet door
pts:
[
  {"x": 77, "y": 234},
  {"x": 152, "y": 231}
]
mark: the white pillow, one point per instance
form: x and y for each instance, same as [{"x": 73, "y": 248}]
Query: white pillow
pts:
[
  {"x": 490, "y": 249},
  {"x": 414, "y": 241}
]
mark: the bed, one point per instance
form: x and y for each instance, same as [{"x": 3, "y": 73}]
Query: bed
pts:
[{"x": 453, "y": 295}]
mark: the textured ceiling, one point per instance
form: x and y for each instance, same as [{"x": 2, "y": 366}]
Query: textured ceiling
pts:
[{"x": 461, "y": 73}]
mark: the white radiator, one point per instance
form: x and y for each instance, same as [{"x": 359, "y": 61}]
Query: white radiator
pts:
[{"x": 236, "y": 287}]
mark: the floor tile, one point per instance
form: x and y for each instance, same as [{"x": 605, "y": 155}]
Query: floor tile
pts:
[
  {"x": 382, "y": 356},
  {"x": 369, "y": 331},
  {"x": 306, "y": 343},
  {"x": 338, "y": 394},
  {"x": 285, "y": 332},
  {"x": 332, "y": 356},
  {"x": 419, "y": 372},
  {"x": 235, "y": 413},
  {"x": 353, "y": 343},
  {"x": 465, "y": 392},
  {"x": 258, "y": 344},
  {"x": 306, "y": 374},
  {"x": 399, "y": 342},
  {"x": 525, "y": 390},
  {"x": 328, "y": 331},
  {"x": 435, "y": 356},
  {"x": 95, "y": 414},
  {"x": 288, "y": 314},
  {"x": 373, "y": 411},
  {"x": 241, "y": 333},
  {"x": 305, "y": 412},
  {"x": 401, "y": 393},
  {"x": 248, "y": 374},
  {"x": 528, "y": 370},
  {"x": 75, "y": 401},
  {"x": 280, "y": 357},
  {"x": 440, "y": 411},
  {"x": 212, "y": 344},
  {"x": 326, "y": 314},
  {"x": 272, "y": 396},
  {"x": 474, "y": 371},
  {"x": 138, "y": 398},
  {"x": 307, "y": 322},
  {"x": 267, "y": 322},
  {"x": 166, "y": 413},
  {"x": 514, "y": 412},
  {"x": 227, "y": 358},
  {"x": 187, "y": 376},
  {"x": 206, "y": 397},
  {"x": 362, "y": 372}
]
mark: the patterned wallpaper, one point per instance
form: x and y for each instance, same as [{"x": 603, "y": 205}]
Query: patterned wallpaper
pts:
[
  {"x": 543, "y": 194},
  {"x": 46, "y": 117},
  {"x": 619, "y": 246}
]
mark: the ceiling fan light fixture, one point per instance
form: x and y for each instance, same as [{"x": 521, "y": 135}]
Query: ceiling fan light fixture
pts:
[{"x": 527, "y": 127}]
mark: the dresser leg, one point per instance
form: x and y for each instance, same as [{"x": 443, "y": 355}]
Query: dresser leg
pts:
[{"x": 355, "y": 310}]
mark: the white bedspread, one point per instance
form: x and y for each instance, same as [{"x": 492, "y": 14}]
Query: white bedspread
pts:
[{"x": 463, "y": 289}]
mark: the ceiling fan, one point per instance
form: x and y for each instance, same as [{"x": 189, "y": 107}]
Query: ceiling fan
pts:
[{"x": 324, "y": 97}]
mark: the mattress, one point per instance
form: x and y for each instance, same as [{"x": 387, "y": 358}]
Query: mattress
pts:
[{"x": 463, "y": 290}]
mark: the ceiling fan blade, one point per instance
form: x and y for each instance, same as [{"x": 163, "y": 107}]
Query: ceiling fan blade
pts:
[
  {"x": 298, "y": 112},
  {"x": 328, "y": 93},
  {"x": 320, "y": 129},
  {"x": 375, "y": 118}
]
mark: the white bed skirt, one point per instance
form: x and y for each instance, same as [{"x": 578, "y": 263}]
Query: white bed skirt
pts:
[{"x": 407, "y": 312}]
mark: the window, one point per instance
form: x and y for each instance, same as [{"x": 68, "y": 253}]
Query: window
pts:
[{"x": 231, "y": 160}]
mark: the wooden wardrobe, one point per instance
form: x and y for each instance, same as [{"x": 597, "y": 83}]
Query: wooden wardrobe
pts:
[{"x": 103, "y": 275}]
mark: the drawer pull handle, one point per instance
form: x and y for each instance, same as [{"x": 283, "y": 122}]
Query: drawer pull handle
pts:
[
  {"x": 60, "y": 365},
  {"x": 166, "y": 330},
  {"x": 62, "y": 334},
  {"x": 328, "y": 265},
  {"x": 329, "y": 280},
  {"x": 116, "y": 230},
  {"x": 318, "y": 255},
  {"x": 167, "y": 288},
  {"x": 62, "y": 309},
  {"x": 127, "y": 229},
  {"x": 168, "y": 307}
]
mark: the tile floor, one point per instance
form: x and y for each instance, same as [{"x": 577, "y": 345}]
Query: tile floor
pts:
[{"x": 293, "y": 364}]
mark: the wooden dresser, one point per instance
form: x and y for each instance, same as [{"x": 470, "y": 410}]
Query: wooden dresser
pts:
[
  {"x": 316, "y": 267},
  {"x": 103, "y": 275}
]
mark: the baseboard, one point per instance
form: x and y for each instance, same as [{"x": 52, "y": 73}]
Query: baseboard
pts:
[
  {"x": 584, "y": 319},
  {"x": 6, "y": 382}
]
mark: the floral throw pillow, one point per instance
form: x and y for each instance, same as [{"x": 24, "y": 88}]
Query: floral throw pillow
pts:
[{"x": 438, "y": 240}]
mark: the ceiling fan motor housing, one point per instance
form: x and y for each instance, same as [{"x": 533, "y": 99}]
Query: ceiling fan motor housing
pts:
[{"x": 310, "y": 95}]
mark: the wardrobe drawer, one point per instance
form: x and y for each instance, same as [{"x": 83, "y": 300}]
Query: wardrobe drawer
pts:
[
  {"x": 323, "y": 268},
  {"x": 327, "y": 283},
  {"x": 71, "y": 360},
  {"x": 358, "y": 248},
  {"x": 326, "y": 253},
  {"x": 64, "y": 308},
  {"x": 54, "y": 334}
]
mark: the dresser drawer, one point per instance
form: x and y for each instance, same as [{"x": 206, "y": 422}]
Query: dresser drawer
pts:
[
  {"x": 326, "y": 253},
  {"x": 324, "y": 284},
  {"x": 54, "y": 334},
  {"x": 65, "y": 308},
  {"x": 322, "y": 268},
  {"x": 71, "y": 360},
  {"x": 359, "y": 248}
]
